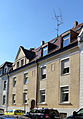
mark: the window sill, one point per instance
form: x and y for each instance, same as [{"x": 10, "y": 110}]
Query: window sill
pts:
[
  {"x": 42, "y": 103},
  {"x": 65, "y": 74},
  {"x": 43, "y": 79},
  {"x": 65, "y": 103}
]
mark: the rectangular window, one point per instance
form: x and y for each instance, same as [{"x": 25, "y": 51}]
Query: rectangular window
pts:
[
  {"x": 4, "y": 86},
  {"x": 65, "y": 66},
  {"x": 14, "y": 99},
  {"x": 0, "y": 72},
  {"x": 14, "y": 82},
  {"x": 65, "y": 94},
  {"x": 4, "y": 99},
  {"x": 22, "y": 62},
  {"x": 66, "y": 40},
  {"x": 24, "y": 98},
  {"x": 42, "y": 96},
  {"x": 43, "y": 72},
  {"x": 26, "y": 78},
  {"x": 44, "y": 51},
  {"x": 17, "y": 64}
]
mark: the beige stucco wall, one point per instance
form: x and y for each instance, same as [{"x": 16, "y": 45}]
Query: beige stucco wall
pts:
[{"x": 55, "y": 80}]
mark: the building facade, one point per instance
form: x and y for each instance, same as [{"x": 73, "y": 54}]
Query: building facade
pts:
[
  {"x": 49, "y": 76},
  {"x": 4, "y": 85}
]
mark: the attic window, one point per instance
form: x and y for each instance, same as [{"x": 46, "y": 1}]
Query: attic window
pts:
[
  {"x": 17, "y": 64},
  {"x": 44, "y": 51},
  {"x": 22, "y": 62},
  {"x": 66, "y": 40}
]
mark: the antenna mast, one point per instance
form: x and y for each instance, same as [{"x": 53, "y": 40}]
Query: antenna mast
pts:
[{"x": 59, "y": 20}]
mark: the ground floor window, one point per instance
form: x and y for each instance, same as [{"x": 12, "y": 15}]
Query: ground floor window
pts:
[
  {"x": 42, "y": 96},
  {"x": 65, "y": 94},
  {"x": 4, "y": 99},
  {"x": 14, "y": 99},
  {"x": 24, "y": 98}
]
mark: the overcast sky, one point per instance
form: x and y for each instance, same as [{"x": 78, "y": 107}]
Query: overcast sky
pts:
[{"x": 27, "y": 22}]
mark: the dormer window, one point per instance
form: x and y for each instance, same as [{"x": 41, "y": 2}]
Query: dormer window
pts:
[
  {"x": 22, "y": 62},
  {"x": 45, "y": 51},
  {"x": 66, "y": 40},
  {"x": 0, "y": 72},
  {"x": 17, "y": 64}
]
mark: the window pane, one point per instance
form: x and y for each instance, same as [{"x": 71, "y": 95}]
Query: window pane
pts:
[
  {"x": 44, "y": 51},
  {"x": 43, "y": 72},
  {"x": 64, "y": 94},
  {"x": 42, "y": 96},
  {"x": 14, "y": 82},
  {"x": 65, "y": 66},
  {"x": 22, "y": 62},
  {"x": 65, "y": 41},
  {"x": 26, "y": 78}
]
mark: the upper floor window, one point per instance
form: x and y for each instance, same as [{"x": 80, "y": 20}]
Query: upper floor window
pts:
[
  {"x": 42, "y": 96},
  {"x": 65, "y": 94},
  {"x": 14, "y": 82},
  {"x": 0, "y": 72},
  {"x": 5, "y": 70},
  {"x": 66, "y": 40},
  {"x": 4, "y": 87},
  {"x": 24, "y": 98},
  {"x": 43, "y": 72},
  {"x": 44, "y": 51},
  {"x": 4, "y": 99},
  {"x": 14, "y": 99},
  {"x": 65, "y": 66},
  {"x": 26, "y": 78},
  {"x": 22, "y": 62},
  {"x": 17, "y": 64}
]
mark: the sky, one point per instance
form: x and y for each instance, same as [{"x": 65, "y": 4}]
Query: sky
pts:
[{"x": 28, "y": 22}]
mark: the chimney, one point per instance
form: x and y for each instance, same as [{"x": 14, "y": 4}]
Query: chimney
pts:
[
  {"x": 42, "y": 42},
  {"x": 75, "y": 24}
]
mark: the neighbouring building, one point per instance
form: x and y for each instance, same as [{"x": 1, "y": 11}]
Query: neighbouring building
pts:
[
  {"x": 49, "y": 76},
  {"x": 4, "y": 84}
]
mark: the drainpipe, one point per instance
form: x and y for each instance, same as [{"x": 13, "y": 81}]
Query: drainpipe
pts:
[{"x": 37, "y": 85}]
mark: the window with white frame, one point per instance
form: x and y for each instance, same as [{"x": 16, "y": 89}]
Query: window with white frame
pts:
[
  {"x": 42, "y": 96},
  {"x": 64, "y": 94},
  {"x": 43, "y": 73},
  {"x": 65, "y": 66},
  {"x": 26, "y": 78},
  {"x": 24, "y": 98},
  {"x": 4, "y": 99},
  {"x": 4, "y": 86},
  {"x": 66, "y": 40},
  {"x": 14, "y": 82},
  {"x": 22, "y": 62},
  {"x": 45, "y": 49},
  {"x": 14, "y": 99},
  {"x": 17, "y": 64}
]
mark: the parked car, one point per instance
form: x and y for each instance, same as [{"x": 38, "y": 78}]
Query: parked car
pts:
[
  {"x": 76, "y": 115},
  {"x": 1, "y": 111},
  {"x": 14, "y": 112},
  {"x": 43, "y": 113},
  {"x": 7, "y": 117}
]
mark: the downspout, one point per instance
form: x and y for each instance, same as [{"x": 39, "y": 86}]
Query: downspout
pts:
[{"x": 37, "y": 80}]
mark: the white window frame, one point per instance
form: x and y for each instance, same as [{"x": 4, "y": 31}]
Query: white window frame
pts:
[
  {"x": 63, "y": 69},
  {"x": 64, "y": 90},
  {"x": 42, "y": 95},
  {"x": 13, "y": 99},
  {"x": 24, "y": 98},
  {"x": 25, "y": 78},
  {"x": 42, "y": 73}
]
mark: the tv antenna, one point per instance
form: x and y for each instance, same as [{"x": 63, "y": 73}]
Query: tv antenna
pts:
[{"x": 59, "y": 20}]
